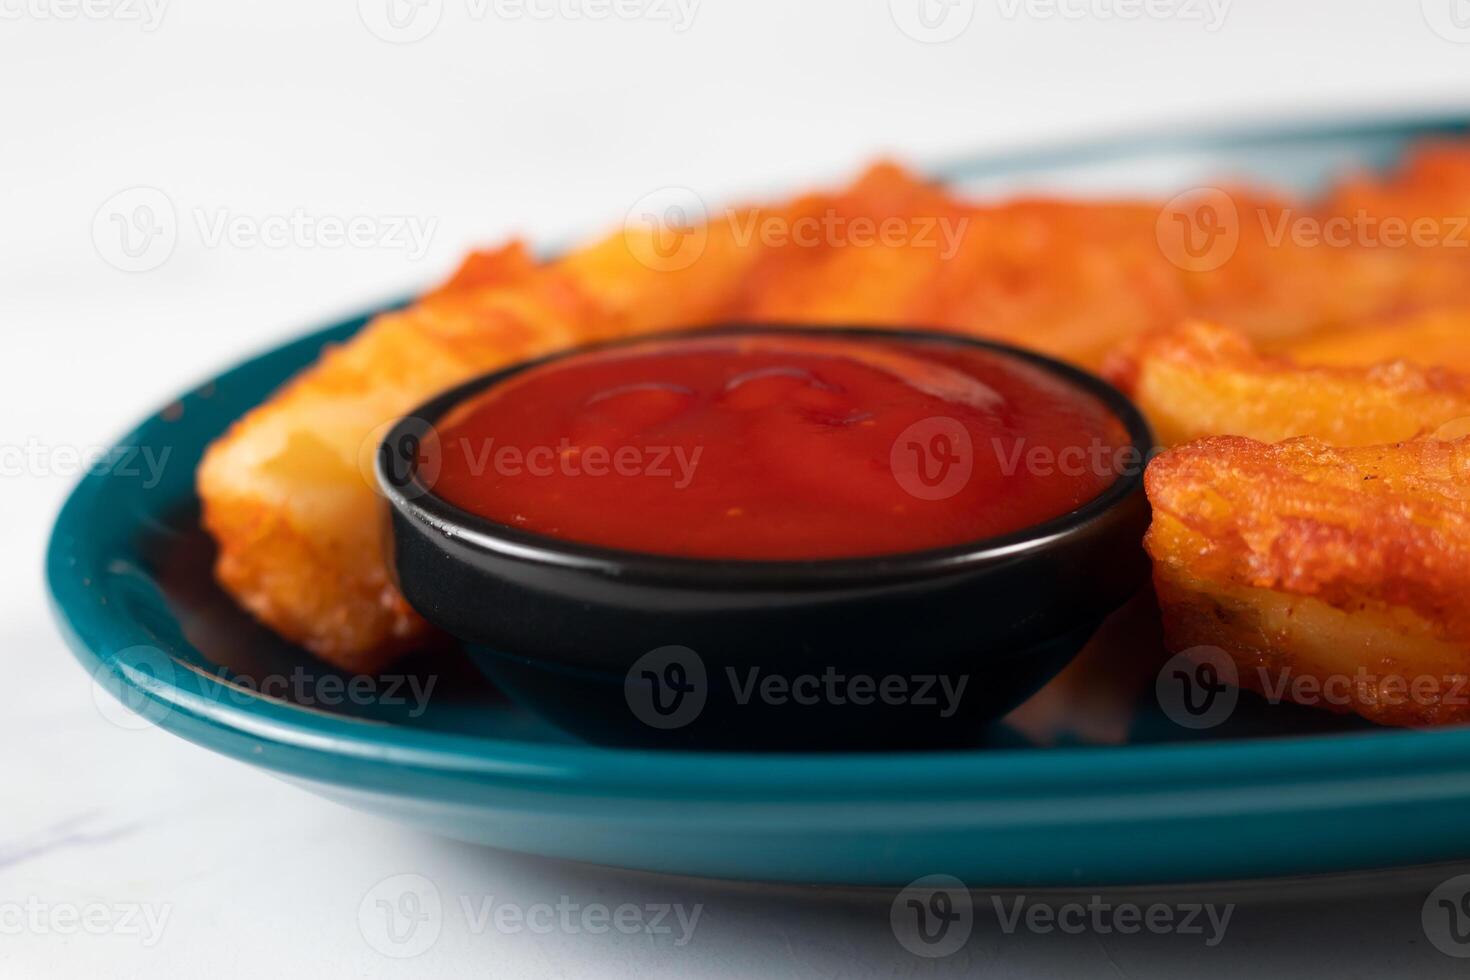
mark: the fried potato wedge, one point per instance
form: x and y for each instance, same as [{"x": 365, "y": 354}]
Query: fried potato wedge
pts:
[
  {"x": 1433, "y": 338},
  {"x": 287, "y": 492},
  {"x": 1331, "y": 577},
  {"x": 1201, "y": 379}
]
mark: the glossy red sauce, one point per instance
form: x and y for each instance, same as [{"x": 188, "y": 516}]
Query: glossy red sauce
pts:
[{"x": 779, "y": 447}]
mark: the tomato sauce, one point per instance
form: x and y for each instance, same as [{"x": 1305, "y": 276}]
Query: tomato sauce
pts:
[{"x": 778, "y": 446}]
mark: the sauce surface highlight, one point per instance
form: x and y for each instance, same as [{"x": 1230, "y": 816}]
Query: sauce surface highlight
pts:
[{"x": 778, "y": 447}]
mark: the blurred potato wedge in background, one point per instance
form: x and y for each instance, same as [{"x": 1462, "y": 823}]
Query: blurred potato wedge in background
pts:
[
  {"x": 1200, "y": 379},
  {"x": 1432, "y": 338},
  {"x": 1331, "y": 577}
]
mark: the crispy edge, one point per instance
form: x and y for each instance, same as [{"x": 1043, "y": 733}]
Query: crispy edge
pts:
[
  {"x": 1304, "y": 560},
  {"x": 1200, "y": 379}
]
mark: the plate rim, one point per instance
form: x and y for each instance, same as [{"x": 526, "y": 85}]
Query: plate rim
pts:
[{"x": 95, "y": 635}]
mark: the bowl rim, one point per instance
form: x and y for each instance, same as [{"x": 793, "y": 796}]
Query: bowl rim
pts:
[{"x": 419, "y": 503}]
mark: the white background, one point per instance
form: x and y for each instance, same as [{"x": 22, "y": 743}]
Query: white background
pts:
[{"x": 528, "y": 119}]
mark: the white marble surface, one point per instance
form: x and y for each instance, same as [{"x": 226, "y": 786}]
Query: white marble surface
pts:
[{"x": 130, "y": 853}]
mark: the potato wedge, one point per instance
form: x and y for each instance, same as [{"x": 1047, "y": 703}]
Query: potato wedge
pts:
[
  {"x": 1433, "y": 338},
  {"x": 1201, "y": 379},
  {"x": 287, "y": 495},
  {"x": 1331, "y": 577}
]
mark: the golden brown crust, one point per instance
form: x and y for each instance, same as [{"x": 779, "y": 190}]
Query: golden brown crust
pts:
[
  {"x": 286, "y": 495},
  {"x": 1200, "y": 379},
  {"x": 1304, "y": 559},
  {"x": 1387, "y": 523}
]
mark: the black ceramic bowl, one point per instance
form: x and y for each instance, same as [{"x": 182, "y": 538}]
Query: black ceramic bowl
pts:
[{"x": 897, "y": 650}]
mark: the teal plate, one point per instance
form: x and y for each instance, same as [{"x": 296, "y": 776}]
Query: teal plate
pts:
[{"x": 1087, "y": 784}]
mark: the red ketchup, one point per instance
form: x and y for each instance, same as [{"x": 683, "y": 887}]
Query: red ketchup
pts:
[{"x": 779, "y": 447}]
